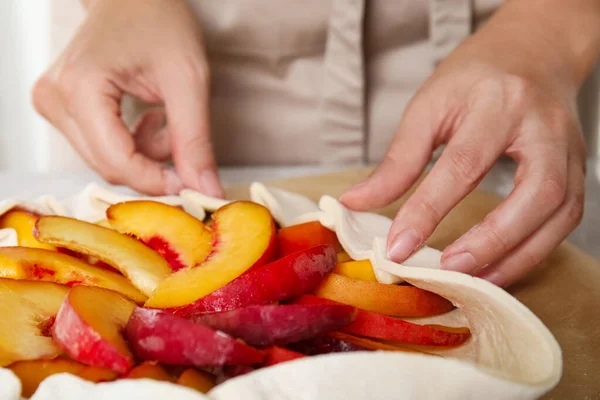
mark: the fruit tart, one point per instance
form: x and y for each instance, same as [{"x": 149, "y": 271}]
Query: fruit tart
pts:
[{"x": 190, "y": 297}]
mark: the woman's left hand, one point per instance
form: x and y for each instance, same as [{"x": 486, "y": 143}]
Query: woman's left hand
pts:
[{"x": 501, "y": 92}]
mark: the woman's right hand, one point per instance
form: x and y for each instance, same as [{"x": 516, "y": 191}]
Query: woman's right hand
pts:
[{"x": 152, "y": 50}]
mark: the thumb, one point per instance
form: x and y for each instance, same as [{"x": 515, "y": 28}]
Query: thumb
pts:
[
  {"x": 405, "y": 160},
  {"x": 186, "y": 96}
]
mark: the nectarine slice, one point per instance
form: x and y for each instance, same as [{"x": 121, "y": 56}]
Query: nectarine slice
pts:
[
  {"x": 23, "y": 223},
  {"x": 324, "y": 345},
  {"x": 198, "y": 380},
  {"x": 287, "y": 277},
  {"x": 278, "y": 355},
  {"x": 149, "y": 370},
  {"x": 46, "y": 265},
  {"x": 360, "y": 270},
  {"x": 279, "y": 324},
  {"x": 343, "y": 257},
  {"x": 180, "y": 238},
  {"x": 31, "y": 373},
  {"x": 89, "y": 325},
  {"x": 378, "y": 326},
  {"x": 244, "y": 237},
  {"x": 144, "y": 267},
  {"x": 372, "y": 344},
  {"x": 304, "y": 236},
  {"x": 27, "y": 310},
  {"x": 160, "y": 336},
  {"x": 394, "y": 300}
]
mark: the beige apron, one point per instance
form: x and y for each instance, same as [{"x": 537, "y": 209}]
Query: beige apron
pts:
[{"x": 322, "y": 81}]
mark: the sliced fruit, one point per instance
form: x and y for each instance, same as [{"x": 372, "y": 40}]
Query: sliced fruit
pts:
[
  {"x": 394, "y": 300},
  {"x": 89, "y": 325},
  {"x": 279, "y": 324},
  {"x": 143, "y": 266},
  {"x": 183, "y": 240},
  {"x": 23, "y": 223},
  {"x": 104, "y": 223},
  {"x": 31, "y": 373},
  {"x": 27, "y": 310},
  {"x": 158, "y": 335},
  {"x": 149, "y": 370},
  {"x": 304, "y": 236},
  {"x": 369, "y": 344},
  {"x": 244, "y": 237},
  {"x": 231, "y": 371},
  {"x": 45, "y": 265},
  {"x": 278, "y": 355},
  {"x": 343, "y": 257},
  {"x": 198, "y": 380},
  {"x": 358, "y": 270},
  {"x": 379, "y": 326},
  {"x": 287, "y": 277}
]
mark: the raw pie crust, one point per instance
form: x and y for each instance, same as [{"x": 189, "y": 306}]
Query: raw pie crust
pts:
[{"x": 511, "y": 355}]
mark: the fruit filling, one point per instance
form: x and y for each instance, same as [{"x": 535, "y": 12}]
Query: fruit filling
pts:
[{"x": 154, "y": 293}]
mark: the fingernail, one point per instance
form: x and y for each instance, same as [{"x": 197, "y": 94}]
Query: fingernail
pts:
[
  {"x": 173, "y": 183},
  {"x": 403, "y": 245},
  {"x": 461, "y": 262},
  {"x": 209, "y": 184}
]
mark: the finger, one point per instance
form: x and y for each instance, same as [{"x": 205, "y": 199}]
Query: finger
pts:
[
  {"x": 112, "y": 145},
  {"x": 539, "y": 191},
  {"x": 523, "y": 259},
  {"x": 470, "y": 154},
  {"x": 49, "y": 103},
  {"x": 186, "y": 95},
  {"x": 151, "y": 135},
  {"x": 405, "y": 160}
]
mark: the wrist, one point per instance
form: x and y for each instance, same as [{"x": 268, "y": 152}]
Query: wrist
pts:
[{"x": 553, "y": 42}]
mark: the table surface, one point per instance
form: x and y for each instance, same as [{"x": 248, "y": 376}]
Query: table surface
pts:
[{"x": 499, "y": 181}]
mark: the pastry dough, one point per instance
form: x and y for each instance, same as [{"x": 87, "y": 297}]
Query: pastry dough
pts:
[{"x": 511, "y": 355}]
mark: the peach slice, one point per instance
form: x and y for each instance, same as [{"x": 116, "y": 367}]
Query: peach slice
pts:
[
  {"x": 343, "y": 257},
  {"x": 378, "y": 326},
  {"x": 31, "y": 373},
  {"x": 372, "y": 344},
  {"x": 244, "y": 238},
  {"x": 394, "y": 300},
  {"x": 27, "y": 310},
  {"x": 160, "y": 336},
  {"x": 46, "y": 265},
  {"x": 278, "y": 355},
  {"x": 287, "y": 277},
  {"x": 149, "y": 370},
  {"x": 359, "y": 270},
  {"x": 180, "y": 238},
  {"x": 198, "y": 380},
  {"x": 23, "y": 223},
  {"x": 88, "y": 327},
  {"x": 304, "y": 236},
  {"x": 143, "y": 266},
  {"x": 324, "y": 345},
  {"x": 279, "y": 324}
]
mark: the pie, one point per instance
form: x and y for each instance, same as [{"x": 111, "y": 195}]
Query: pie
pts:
[{"x": 109, "y": 296}]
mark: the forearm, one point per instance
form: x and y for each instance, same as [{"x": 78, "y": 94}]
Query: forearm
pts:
[{"x": 565, "y": 34}]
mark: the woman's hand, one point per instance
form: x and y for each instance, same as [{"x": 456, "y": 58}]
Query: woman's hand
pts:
[
  {"x": 152, "y": 50},
  {"x": 510, "y": 89}
]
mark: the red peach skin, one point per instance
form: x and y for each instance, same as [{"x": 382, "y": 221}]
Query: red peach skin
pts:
[
  {"x": 279, "y": 324},
  {"x": 88, "y": 327},
  {"x": 160, "y": 336},
  {"x": 304, "y": 236},
  {"x": 379, "y": 326},
  {"x": 287, "y": 277}
]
